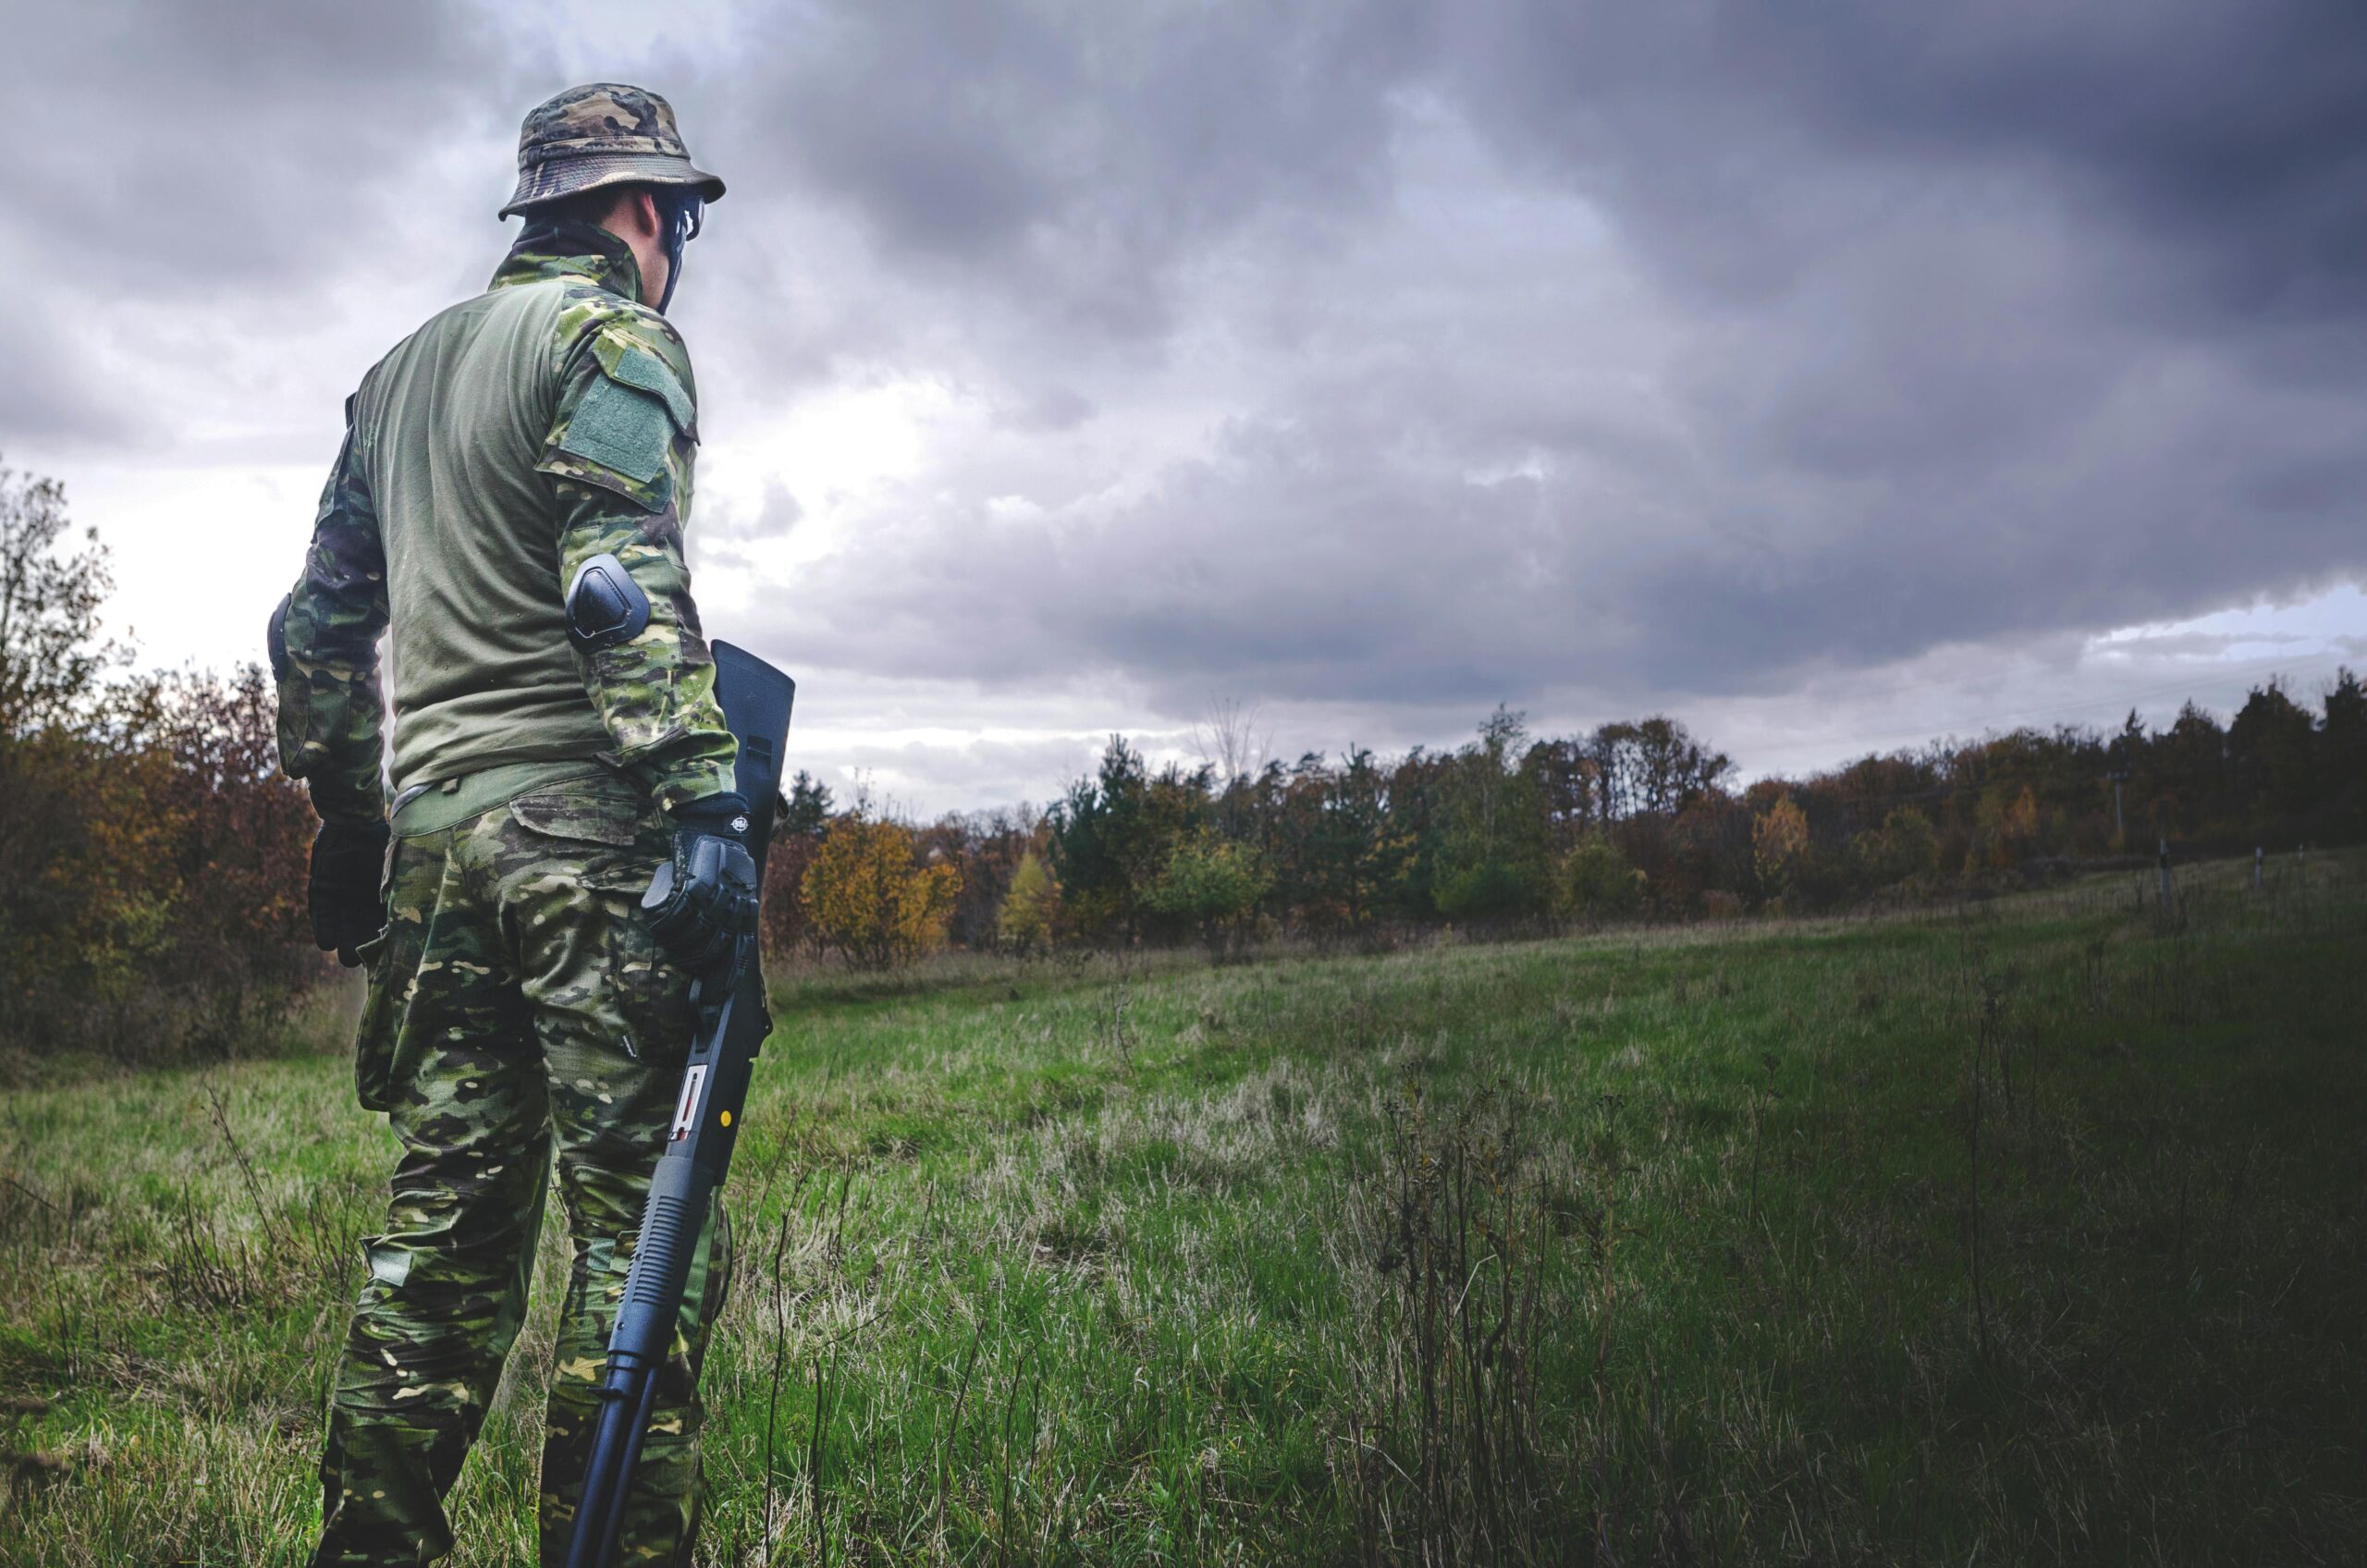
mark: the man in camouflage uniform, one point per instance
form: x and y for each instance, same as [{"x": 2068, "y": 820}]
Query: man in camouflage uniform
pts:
[{"x": 553, "y": 745}]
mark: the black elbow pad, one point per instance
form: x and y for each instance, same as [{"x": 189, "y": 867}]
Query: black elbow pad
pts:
[
  {"x": 604, "y": 605},
  {"x": 274, "y": 638}
]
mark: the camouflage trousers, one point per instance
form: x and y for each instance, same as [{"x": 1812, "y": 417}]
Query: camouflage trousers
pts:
[{"x": 518, "y": 1009}]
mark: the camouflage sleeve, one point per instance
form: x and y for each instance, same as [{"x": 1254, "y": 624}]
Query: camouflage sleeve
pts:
[
  {"x": 324, "y": 647},
  {"x": 619, "y": 459}
]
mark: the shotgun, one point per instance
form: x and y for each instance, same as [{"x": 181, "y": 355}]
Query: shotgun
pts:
[{"x": 733, "y": 1022}]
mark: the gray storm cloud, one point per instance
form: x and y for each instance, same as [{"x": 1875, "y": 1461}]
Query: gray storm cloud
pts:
[
  {"x": 1970, "y": 325},
  {"x": 1645, "y": 352}
]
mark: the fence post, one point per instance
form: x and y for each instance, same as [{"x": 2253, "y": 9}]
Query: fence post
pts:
[
  {"x": 2259, "y": 855},
  {"x": 2165, "y": 876}
]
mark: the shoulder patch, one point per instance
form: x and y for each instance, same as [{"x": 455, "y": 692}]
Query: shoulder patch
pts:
[
  {"x": 619, "y": 426},
  {"x": 635, "y": 366},
  {"x": 631, "y": 397}
]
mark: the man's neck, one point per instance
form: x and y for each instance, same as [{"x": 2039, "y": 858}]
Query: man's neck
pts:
[{"x": 571, "y": 250}]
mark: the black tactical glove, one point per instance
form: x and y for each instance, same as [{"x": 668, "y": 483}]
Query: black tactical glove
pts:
[
  {"x": 704, "y": 901},
  {"x": 349, "y": 859}
]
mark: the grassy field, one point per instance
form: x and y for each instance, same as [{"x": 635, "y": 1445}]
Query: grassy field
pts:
[{"x": 2028, "y": 1233}]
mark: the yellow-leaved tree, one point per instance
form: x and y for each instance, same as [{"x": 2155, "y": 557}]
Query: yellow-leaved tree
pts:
[
  {"x": 1776, "y": 840},
  {"x": 1030, "y": 907},
  {"x": 868, "y": 897}
]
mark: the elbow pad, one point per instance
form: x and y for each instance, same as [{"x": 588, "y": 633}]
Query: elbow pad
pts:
[{"x": 604, "y": 605}]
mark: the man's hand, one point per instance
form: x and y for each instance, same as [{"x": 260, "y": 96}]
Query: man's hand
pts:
[
  {"x": 704, "y": 901},
  {"x": 348, "y": 858}
]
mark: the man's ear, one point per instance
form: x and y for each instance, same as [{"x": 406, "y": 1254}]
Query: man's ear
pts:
[{"x": 642, "y": 215}]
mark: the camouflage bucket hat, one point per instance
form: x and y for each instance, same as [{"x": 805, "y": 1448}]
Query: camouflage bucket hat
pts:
[{"x": 604, "y": 134}]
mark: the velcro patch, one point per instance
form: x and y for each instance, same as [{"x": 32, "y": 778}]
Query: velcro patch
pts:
[
  {"x": 620, "y": 427},
  {"x": 636, "y": 366}
]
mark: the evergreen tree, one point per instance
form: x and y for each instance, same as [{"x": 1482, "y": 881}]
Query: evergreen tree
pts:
[
  {"x": 1492, "y": 858},
  {"x": 2342, "y": 749},
  {"x": 2272, "y": 747},
  {"x": 809, "y": 807}
]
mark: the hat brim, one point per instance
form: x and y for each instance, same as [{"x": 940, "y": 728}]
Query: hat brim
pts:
[{"x": 570, "y": 176}]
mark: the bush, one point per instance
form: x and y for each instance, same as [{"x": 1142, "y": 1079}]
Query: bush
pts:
[
  {"x": 1905, "y": 850},
  {"x": 1213, "y": 883},
  {"x": 1596, "y": 884},
  {"x": 786, "y": 928},
  {"x": 1490, "y": 890}
]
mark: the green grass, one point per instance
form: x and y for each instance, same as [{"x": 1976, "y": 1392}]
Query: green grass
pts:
[{"x": 2026, "y": 1234}]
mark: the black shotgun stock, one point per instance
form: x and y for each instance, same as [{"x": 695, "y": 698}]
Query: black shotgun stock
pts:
[{"x": 731, "y": 1026}]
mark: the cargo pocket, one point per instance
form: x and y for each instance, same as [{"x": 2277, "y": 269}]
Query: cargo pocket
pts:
[
  {"x": 607, "y": 1260},
  {"x": 603, "y": 840},
  {"x": 373, "y": 1037},
  {"x": 653, "y": 996},
  {"x": 598, "y": 834},
  {"x": 391, "y": 960},
  {"x": 589, "y": 810}
]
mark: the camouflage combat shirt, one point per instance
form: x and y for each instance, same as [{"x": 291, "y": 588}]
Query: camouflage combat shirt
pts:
[{"x": 517, "y": 434}]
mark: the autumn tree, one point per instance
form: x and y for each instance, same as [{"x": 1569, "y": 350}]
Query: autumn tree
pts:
[
  {"x": 236, "y": 835},
  {"x": 2005, "y": 824},
  {"x": 1234, "y": 755},
  {"x": 796, "y": 836},
  {"x": 1569, "y": 782},
  {"x": 1777, "y": 838},
  {"x": 151, "y": 858},
  {"x": 988, "y": 847},
  {"x": 1654, "y": 765},
  {"x": 868, "y": 897},
  {"x": 70, "y": 886},
  {"x": 1031, "y": 910}
]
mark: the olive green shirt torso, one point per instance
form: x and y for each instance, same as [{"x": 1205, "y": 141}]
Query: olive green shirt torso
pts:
[{"x": 449, "y": 427}]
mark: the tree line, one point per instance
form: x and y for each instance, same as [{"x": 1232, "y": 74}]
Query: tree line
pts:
[
  {"x": 152, "y": 857},
  {"x": 1634, "y": 820}
]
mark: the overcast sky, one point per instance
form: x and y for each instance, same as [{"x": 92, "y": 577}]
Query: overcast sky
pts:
[{"x": 1832, "y": 376}]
